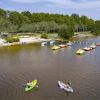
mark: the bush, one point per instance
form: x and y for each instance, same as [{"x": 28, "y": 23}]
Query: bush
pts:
[
  {"x": 45, "y": 36},
  {"x": 12, "y": 39},
  {"x": 66, "y": 32}
]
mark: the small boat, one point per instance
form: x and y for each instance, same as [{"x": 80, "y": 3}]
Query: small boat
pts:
[
  {"x": 69, "y": 43},
  {"x": 29, "y": 86},
  {"x": 80, "y": 52},
  {"x": 55, "y": 47},
  {"x": 98, "y": 44},
  {"x": 65, "y": 87},
  {"x": 93, "y": 46},
  {"x": 52, "y": 42},
  {"x": 87, "y": 49},
  {"x": 63, "y": 45},
  {"x": 43, "y": 43}
]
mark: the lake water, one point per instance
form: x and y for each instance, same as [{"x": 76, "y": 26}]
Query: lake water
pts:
[{"x": 18, "y": 64}]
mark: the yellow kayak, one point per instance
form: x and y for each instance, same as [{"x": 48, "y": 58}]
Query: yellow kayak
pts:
[{"x": 31, "y": 85}]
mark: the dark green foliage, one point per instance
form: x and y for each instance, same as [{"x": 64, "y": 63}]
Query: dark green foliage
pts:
[
  {"x": 96, "y": 28},
  {"x": 45, "y": 36},
  {"x": 12, "y": 21},
  {"x": 15, "y": 18},
  {"x": 66, "y": 31},
  {"x": 7, "y": 26},
  {"x": 2, "y": 13},
  {"x": 12, "y": 39}
]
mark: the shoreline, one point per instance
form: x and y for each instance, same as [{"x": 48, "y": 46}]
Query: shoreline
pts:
[
  {"x": 26, "y": 40},
  {"x": 82, "y": 35},
  {"x": 33, "y": 39}
]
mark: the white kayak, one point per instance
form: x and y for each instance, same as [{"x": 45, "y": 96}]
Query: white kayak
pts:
[{"x": 65, "y": 87}]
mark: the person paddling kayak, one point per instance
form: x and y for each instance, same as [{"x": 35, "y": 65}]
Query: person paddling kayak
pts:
[
  {"x": 31, "y": 85},
  {"x": 65, "y": 87}
]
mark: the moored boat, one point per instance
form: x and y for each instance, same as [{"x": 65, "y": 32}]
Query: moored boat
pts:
[
  {"x": 63, "y": 45},
  {"x": 98, "y": 44},
  {"x": 80, "y": 52},
  {"x": 52, "y": 42},
  {"x": 93, "y": 46},
  {"x": 69, "y": 43},
  {"x": 43, "y": 43},
  {"x": 55, "y": 47},
  {"x": 87, "y": 49}
]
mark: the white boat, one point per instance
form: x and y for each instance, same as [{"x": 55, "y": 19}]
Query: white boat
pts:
[
  {"x": 65, "y": 87},
  {"x": 43, "y": 43},
  {"x": 63, "y": 45},
  {"x": 52, "y": 42},
  {"x": 69, "y": 43},
  {"x": 87, "y": 48},
  {"x": 93, "y": 46}
]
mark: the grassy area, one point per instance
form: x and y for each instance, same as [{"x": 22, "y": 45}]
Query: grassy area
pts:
[
  {"x": 50, "y": 35},
  {"x": 77, "y": 33}
]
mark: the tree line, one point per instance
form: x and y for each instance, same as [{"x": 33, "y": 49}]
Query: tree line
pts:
[{"x": 13, "y": 22}]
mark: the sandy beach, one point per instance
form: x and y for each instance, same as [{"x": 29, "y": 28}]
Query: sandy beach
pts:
[{"x": 23, "y": 40}]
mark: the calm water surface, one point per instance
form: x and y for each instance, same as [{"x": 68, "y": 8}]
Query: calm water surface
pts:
[{"x": 19, "y": 64}]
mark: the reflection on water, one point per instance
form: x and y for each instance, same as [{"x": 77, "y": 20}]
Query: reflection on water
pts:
[{"x": 18, "y": 64}]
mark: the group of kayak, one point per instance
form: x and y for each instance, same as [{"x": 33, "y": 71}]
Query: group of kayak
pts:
[
  {"x": 55, "y": 47},
  {"x": 89, "y": 48},
  {"x": 34, "y": 84}
]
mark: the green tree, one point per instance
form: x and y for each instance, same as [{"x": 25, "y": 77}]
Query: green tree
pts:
[
  {"x": 2, "y": 13},
  {"x": 96, "y": 28},
  {"x": 45, "y": 36},
  {"x": 53, "y": 27},
  {"x": 15, "y": 18},
  {"x": 13, "y": 21},
  {"x": 65, "y": 31}
]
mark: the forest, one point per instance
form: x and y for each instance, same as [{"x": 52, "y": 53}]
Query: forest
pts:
[{"x": 65, "y": 25}]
